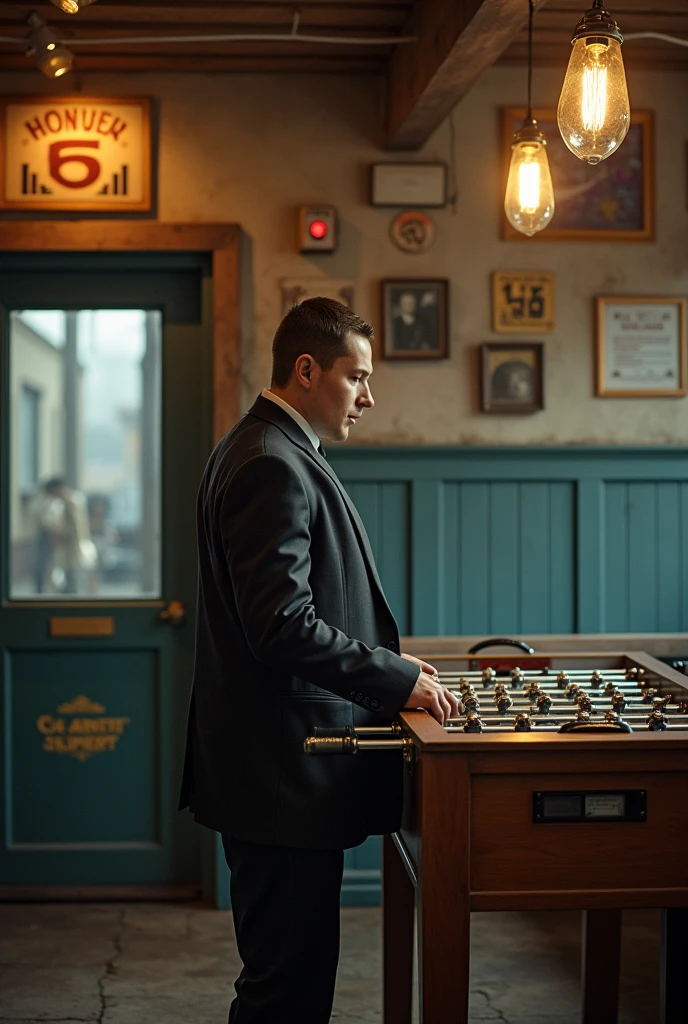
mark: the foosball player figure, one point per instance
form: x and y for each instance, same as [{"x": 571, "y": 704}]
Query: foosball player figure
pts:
[
  {"x": 585, "y": 704},
  {"x": 465, "y": 686},
  {"x": 532, "y": 690},
  {"x": 544, "y": 703},
  {"x": 516, "y": 676},
  {"x": 571, "y": 691},
  {"x": 503, "y": 702},
  {"x": 469, "y": 703},
  {"x": 609, "y": 688},
  {"x": 618, "y": 701},
  {"x": 596, "y": 679},
  {"x": 522, "y": 723},
  {"x": 472, "y": 723},
  {"x": 648, "y": 695},
  {"x": 656, "y": 721},
  {"x": 488, "y": 676},
  {"x": 562, "y": 680}
]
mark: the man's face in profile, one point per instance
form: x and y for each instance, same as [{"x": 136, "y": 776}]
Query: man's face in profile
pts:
[{"x": 338, "y": 396}]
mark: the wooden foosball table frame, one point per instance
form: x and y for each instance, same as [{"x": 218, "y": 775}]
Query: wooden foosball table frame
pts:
[{"x": 469, "y": 842}]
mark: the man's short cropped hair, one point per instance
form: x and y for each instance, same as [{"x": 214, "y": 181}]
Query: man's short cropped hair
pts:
[{"x": 319, "y": 327}]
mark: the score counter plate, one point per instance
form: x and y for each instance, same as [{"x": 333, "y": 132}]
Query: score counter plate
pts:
[{"x": 578, "y": 806}]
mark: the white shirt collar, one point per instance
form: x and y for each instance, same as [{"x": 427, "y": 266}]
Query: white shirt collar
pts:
[{"x": 300, "y": 420}]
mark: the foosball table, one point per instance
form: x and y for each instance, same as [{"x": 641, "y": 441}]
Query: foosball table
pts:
[{"x": 562, "y": 784}]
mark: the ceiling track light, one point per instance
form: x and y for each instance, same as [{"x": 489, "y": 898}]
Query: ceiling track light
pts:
[
  {"x": 71, "y": 6},
  {"x": 529, "y": 199},
  {"x": 594, "y": 114},
  {"x": 50, "y": 53}
]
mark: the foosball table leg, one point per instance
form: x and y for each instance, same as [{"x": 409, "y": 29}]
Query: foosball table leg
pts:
[
  {"x": 398, "y": 904},
  {"x": 601, "y": 961},
  {"x": 674, "y": 985}
]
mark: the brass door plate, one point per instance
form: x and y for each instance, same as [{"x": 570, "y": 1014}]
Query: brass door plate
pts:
[{"x": 69, "y": 626}]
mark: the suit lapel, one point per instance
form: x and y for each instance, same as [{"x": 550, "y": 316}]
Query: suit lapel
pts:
[{"x": 271, "y": 412}]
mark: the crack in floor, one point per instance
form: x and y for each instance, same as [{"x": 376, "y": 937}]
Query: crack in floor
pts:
[
  {"x": 111, "y": 966},
  {"x": 490, "y": 1005}
]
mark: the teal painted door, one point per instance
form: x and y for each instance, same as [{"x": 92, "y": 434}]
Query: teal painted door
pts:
[{"x": 105, "y": 430}]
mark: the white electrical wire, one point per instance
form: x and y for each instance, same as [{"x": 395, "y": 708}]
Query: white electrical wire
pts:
[
  {"x": 243, "y": 37},
  {"x": 294, "y": 36},
  {"x": 662, "y": 36}
]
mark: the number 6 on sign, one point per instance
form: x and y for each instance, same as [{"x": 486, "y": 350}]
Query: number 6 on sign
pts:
[
  {"x": 56, "y": 161},
  {"x": 522, "y": 302}
]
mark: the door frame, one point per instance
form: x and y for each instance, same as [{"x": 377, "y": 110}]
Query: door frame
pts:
[{"x": 223, "y": 241}]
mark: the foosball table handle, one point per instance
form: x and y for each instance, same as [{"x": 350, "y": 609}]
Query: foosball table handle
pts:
[
  {"x": 500, "y": 642},
  {"x": 622, "y": 727}
]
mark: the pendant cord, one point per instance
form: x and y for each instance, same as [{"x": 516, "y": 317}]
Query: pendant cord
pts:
[{"x": 530, "y": 60}]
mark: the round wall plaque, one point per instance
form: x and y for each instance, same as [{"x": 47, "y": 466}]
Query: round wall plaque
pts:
[{"x": 412, "y": 231}]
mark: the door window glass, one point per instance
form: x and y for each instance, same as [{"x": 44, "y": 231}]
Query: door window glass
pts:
[{"x": 85, "y": 435}]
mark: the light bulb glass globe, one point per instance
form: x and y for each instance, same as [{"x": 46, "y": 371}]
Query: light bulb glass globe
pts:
[
  {"x": 529, "y": 200},
  {"x": 594, "y": 113}
]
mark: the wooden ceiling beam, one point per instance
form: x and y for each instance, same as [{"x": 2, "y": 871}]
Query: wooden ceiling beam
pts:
[{"x": 457, "y": 40}]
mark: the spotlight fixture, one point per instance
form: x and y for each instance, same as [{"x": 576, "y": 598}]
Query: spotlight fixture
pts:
[
  {"x": 529, "y": 200},
  {"x": 71, "y": 6},
  {"x": 52, "y": 56},
  {"x": 594, "y": 114}
]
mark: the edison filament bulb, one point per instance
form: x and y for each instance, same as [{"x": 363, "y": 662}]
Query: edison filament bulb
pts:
[
  {"x": 529, "y": 200},
  {"x": 594, "y": 113}
]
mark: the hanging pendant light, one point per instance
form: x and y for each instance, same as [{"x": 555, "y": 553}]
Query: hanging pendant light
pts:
[
  {"x": 529, "y": 200},
  {"x": 594, "y": 113}
]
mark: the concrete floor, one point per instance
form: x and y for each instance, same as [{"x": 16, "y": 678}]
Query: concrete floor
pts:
[{"x": 175, "y": 964}]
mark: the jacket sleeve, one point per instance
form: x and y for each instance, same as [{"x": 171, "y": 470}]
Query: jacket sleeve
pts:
[{"x": 265, "y": 523}]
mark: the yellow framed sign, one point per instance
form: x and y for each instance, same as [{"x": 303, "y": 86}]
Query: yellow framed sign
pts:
[
  {"x": 641, "y": 347},
  {"x": 67, "y": 153},
  {"x": 522, "y": 302}
]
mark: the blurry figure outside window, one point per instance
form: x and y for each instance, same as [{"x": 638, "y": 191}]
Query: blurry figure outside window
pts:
[{"x": 64, "y": 548}]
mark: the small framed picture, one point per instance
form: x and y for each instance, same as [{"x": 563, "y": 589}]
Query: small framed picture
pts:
[
  {"x": 414, "y": 316},
  {"x": 522, "y": 302},
  {"x": 512, "y": 377},
  {"x": 641, "y": 347}
]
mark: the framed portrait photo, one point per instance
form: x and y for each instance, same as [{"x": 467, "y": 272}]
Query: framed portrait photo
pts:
[
  {"x": 414, "y": 317},
  {"x": 641, "y": 347},
  {"x": 512, "y": 377},
  {"x": 610, "y": 202}
]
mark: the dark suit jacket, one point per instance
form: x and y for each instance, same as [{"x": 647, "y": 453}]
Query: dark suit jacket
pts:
[{"x": 293, "y": 632}]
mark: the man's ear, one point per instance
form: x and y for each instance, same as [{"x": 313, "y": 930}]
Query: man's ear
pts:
[{"x": 303, "y": 369}]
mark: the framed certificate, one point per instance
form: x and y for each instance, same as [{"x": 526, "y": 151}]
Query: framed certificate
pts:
[{"x": 641, "y": 347}]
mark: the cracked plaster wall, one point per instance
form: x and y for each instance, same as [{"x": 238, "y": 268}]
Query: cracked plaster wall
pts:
[{"x": 250, "y": 149}]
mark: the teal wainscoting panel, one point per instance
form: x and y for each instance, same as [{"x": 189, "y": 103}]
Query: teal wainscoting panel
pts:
[
  {"x": 384, "y": 509},
  {"x": 540, "y": 540},
  {"x": 646, "y": 548},
  {"x": 508, "y": 558}
]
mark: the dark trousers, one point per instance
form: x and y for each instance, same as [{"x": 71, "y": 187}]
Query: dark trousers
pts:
[{"x": 285, "y": 904}]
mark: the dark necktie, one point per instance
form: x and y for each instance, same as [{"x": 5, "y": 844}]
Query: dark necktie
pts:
[{"x": 321, "y": 451}]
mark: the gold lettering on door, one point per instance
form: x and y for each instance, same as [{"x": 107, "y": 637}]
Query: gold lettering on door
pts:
[{"x": 77, "y": 735}]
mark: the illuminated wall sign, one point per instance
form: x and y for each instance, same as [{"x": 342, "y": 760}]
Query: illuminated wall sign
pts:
[
  {"x": 80, "y": 729},
  {"x": 69, "y": 153}
]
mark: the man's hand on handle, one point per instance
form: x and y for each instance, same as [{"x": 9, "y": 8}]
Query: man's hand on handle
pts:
[{"x": 429, "y": 694}]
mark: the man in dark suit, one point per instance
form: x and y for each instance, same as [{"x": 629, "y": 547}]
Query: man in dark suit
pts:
[{"x": 293, "y": 632}]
